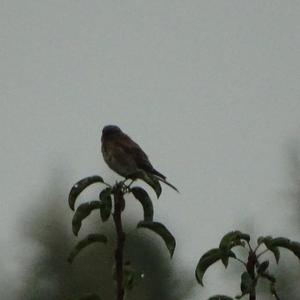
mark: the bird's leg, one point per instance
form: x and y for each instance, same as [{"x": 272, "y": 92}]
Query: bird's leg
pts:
[
  {"x": 124, "y": 185},
  {"x": 132, "y": 181},
  {"x": 124, "y": 181},
  {"x": 127, "y": 186}
]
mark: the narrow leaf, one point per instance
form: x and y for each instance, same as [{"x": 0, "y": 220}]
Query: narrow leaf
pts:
[
  {"x": 267, "y": 241},
  {"x": 80, "y": 186},
  {"x": 162, "y": 231},
  {"x": 288, "y": 244},
  {"x": 81, "y": 213},
  {"x": 206, "y": 260},
  {"x": 150, "y": 180},
  {"x": 276, "y": 253},
  {"x": 273, "y": 290},
  {"x": 273, "y": 243},
  {"x": 264, "y": 239},
  {"x": 280, "y": 242},
  {"x": 230, "y": 240},
  {"x": 263, "y": 267},
  {"x": 90, "y": 239},
  {"x": 155, "y": 184},
  {"x": 105, "y": 204},
  {"x": 142, "y": 196},
  {"x": 90, "y": 296},
  {"x": 131, "y": 277},
  {"x": 220, "y": 297},
  {"x": 247, "y": 283},
  {"x": 295, "y": 247}
]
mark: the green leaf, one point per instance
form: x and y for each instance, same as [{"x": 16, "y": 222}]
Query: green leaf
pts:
[
  {"x": 150, "y": 180},
  {"x": 206, "y": 260},
  {"x": 287, "y": 244},
  {"x": 230, "y": 240},
  {"x": 80, "y": 186},
  {"x": 155, "y": 184},
  {"x": 220, "y": 297},
  {"x": 142, "y": 196},
  {"x": 273, "y": 243},
  {"x": 295, "y": 247},
  {"x": 247, "y": 283},
  {"x": 263, "y": 267},
  {"x": 267, "y": 241},
  {"x": 90, "y": 296},
  {"x": 105, "y": 204},
  {"x": 131, "y": 277},
  {"x": 273, "y": 290},
  {"x": 276, "y": 253},
  {"x": 281, "y": 242},
  {"x": 81, "y": 213},
  {"x": 90, "y": 239},
  {"x": 162, "y": 231},
  {"x": 264, "y": 239}
]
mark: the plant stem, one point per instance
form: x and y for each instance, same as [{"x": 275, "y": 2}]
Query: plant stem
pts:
[
  {"x": 250, "y": 248},
  {"x": 252, "y": 259},
  {"x": 119, "y": 204}
]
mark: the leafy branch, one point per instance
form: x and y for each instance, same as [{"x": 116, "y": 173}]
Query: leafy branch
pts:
[
  {"x": 112, "y": 202},
  {"x": 255, "y": 267}
]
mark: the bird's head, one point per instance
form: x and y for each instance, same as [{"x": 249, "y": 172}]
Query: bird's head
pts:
[{"x": 110, "y": 131}]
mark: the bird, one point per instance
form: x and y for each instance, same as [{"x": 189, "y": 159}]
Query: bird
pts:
[{"x": 126, "y": 157}]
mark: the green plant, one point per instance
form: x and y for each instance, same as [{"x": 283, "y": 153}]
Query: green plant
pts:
[
  {"x": 256, "y": 267},
  {"x": 112, "y": 202}
]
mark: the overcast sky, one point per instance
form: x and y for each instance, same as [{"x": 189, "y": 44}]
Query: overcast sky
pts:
[{"x": 209, "y": 89}]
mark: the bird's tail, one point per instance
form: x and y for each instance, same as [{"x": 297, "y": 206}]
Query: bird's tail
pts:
[
  {"x": 152, "y": 171},
  {"x": 167, "y": 183},
  {"x": 153, "y": 180}
]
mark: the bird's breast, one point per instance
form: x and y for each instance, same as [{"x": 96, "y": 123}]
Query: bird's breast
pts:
[{"x": 107, "y": 155}]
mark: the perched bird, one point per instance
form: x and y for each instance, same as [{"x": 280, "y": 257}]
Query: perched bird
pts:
[{"x": 125, "y": 157}]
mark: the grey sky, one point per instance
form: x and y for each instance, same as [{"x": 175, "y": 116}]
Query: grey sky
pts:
[{"x": 210, "y": 89}]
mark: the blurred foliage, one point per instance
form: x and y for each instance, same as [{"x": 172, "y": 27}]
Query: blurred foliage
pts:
[
  {"x": 51, "y": 277},
  {"x": 256, "y": 266}
]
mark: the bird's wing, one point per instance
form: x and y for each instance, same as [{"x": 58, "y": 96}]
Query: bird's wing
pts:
[
  {"x": 140, "y": 157},
  {"x": 134, "y": 150}
]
